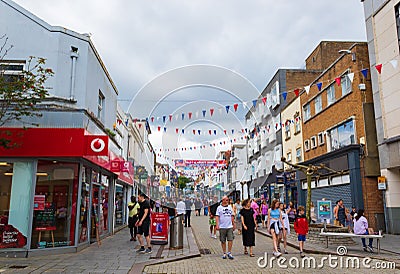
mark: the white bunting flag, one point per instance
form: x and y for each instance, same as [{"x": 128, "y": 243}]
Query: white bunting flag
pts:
[
  {"x": 351, "y": 76},
  {"x": 394, "y": 63},
  {"x": 307, "y": 88}
]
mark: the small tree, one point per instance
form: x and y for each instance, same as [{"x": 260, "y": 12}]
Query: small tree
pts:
[
  {"x": 20, "y": 92},
  {"x": 182, "y": 182}
]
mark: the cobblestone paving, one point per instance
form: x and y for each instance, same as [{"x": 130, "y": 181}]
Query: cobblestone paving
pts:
[{"x": 213, "y": 263}]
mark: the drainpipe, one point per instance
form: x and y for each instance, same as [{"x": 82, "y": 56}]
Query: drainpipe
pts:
[{"x": 74, "y": 56}]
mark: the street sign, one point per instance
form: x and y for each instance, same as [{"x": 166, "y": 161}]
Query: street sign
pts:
[
  {"x": 324, "y": 211},
  {"x": 382, "y": 183}
]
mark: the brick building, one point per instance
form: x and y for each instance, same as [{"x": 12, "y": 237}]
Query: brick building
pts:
[{"x": 339, "y": 129}]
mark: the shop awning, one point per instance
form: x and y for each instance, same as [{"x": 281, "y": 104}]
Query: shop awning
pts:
[{"x": 256, "y": 183}]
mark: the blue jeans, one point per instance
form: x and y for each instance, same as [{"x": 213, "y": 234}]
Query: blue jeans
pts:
[{"x": 363, "y": 240}]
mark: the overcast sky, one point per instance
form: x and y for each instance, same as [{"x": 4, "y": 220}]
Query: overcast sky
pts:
[{"x": 139, "y": 40}]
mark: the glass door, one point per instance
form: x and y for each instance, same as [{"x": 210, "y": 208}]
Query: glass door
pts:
[{"x": 95, "y": 214}]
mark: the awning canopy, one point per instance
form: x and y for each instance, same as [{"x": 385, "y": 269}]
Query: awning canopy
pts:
[{"x": 256, "y": 183}]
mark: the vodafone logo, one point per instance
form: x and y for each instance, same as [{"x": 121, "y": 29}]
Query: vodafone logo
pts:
[{"x": 97, "y": 145}]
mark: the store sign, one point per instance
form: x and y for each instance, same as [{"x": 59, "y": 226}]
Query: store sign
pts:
[
  {"x": 159, "y": 228},
  {"x": 10, "y": 237},
  {"x": 96, "y": 145},
  {"x": 38, "y": 202},
  {"x": 324, "y": 210},
  {"x": 115, "y": 166}
]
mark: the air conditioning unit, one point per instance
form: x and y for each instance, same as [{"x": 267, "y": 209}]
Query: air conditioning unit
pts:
[{"x": 361, "y": 87}]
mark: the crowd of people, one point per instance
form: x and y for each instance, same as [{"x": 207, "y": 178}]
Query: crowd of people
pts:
[{"x": 247, "y": 215}]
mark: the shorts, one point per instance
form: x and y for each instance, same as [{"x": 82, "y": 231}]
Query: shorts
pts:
[
  {"x": 212, "y": 221},
  {"x": 301, "y": 238},
  {"x": 263, "y": 217},
  {"x": 144, "y": 229},
  {"x": 226, "y": 234}
]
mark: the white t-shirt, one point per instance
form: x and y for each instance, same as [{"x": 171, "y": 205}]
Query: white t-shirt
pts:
[
  {"x": 225, "y": 214},
  {"x": 180, "y": 207}
]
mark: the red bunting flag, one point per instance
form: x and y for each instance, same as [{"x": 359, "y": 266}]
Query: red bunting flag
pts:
[
  {"x": 140, "y": 125},
  {"x": 177, "y": 130},
  {"x": 338, "y": 80},
  {"x": 379, "y": 68},
  {"x": 209, "y": 131},
  {"x": 119, "y": 121},
  {"x": 194, "y": 131},
  {"x": 297, "y": 91},
  {"x": 159, "y": 128},
  {"x": 225, "y": 131},
  {"x": 211, "y": 111},
  {"x": 190, "y": 115},
  {"x": 264, "y": 100},
  {"x": 235, "y": 107},
  {"x": 152, "y": 119},
  {"x": 170, "y": 117}
]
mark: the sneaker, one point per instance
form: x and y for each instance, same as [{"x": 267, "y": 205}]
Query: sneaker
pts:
[
  {"x": 140, "y": 250},
  {"x": 230, "y": 256},
  {"x": 224, "y": 256},
  {"x": 370, "y": 249},
  {"x": 215, "y": 236},
  {"x": 148, "y": 251},
  {"x": 279, "y": 249},
  {"x": 277, "y": 254},
  {"x": 302, "y": 254},
  {"x": 131, "y": 239},
  {"x": 286, "y": 252}
]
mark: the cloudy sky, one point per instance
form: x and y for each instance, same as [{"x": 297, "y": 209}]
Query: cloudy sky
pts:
[{"x": 140, "y": 40}]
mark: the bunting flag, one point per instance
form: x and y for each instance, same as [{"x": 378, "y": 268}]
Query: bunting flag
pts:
[
  {"x": 183, "y": 131},
  {"x": 284, "y": 95},
  {"x": 379, "y": 68},
  {"x": 140, "y": 125},
  {"x": 209, "y": 131},
  {"x": 233, "y": 131},
  {"x": 227, "y": 109},
  {"x": 190, "y": 115},
  {"x": 254, "y": 103},
  {"x": 194, "y": 131},
  {"x": 211, "y": 111},
  {"x": 183, "y": 116},
  {"x": 170, "y": 118},
  {"x": 204, "y": 113},
  {"x": 152, "y": 119},
  {"x": 235, "y": 107},
  {"x": 199, "y": 131},
  {"x": 307, "y": 88},
  {"x": 351, "y": 76},
  {"x": 163, "y": 119},
  {"x": 158, "y": 128},
  {"x": 215, "y": 132},
  {"x": 264, "y": 100},
  {"x": 197, "y": 114},
  {"x": 364, "y": 72},
  {"x": 177, "y": 130},
  {"x": 119, "y": 121},
  {"x": 225, "y": 131},
  {"x": 338, "y": 80},
  {"x": 394, "y": 63},
  {"x": 319, "y": 86},
  {"x": 297, "y": 92},
  {"x": 165, "y": 129},
  {"x": 126, "y": 122}
]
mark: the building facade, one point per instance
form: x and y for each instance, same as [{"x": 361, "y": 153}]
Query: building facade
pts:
[{"x": 382, "y": 20}]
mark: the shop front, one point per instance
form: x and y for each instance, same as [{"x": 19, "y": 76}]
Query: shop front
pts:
[{"x": 55, "y": 193}]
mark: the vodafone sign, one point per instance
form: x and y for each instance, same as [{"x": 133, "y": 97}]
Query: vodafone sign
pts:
[{"x": 96, "y": 145}]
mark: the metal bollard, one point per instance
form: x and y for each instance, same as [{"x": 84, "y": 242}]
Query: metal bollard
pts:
[{"x": 176, "y": 232}]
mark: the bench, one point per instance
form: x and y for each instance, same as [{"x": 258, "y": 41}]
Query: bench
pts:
[{"x": 352, "y": 235}]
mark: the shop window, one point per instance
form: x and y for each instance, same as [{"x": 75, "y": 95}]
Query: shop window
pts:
[
  {"x": 54, "y": 214},
  {"x": 15, "y": 203},
  {"x": 120, "y": 208},
  {"x": 342, "y": 135},
  {"x": 307, "y": 145},
  {"x": 84, "y": 206},
  {"x": 100, "y": 204},
  {"x": 318, "y": 104}
]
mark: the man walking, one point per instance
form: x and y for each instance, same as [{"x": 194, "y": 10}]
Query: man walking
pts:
[
  {"x": 133, "y": 207},
  {"x": 188, "y": 204},
  {"x": 226, "y": 225},
  {"x": 143, "y": 224}
]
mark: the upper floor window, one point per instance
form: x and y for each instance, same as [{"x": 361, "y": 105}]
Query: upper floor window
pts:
[
  {"x": 307, "y": 145},
  {"x": 10, "y": 71},
  {"x": 330, "y": 93},
  {"x": 100, "y": 105},
  {"x": 289, "y": 157},
  {"x": 313, "y": 142},
  {"x": 342, "y": 135},
  {"x": 307, "y": 112},
  {"x": 287, "y": 130},
  {"x": 346, "y": 85},
  {"x": 297, "y": 122},
  {"x": 298, "y": 155},
  {"x": 321, "y": 139},
  {"x": 275, "y": 95},
  {"x": 397, "y": 12},
  {"x": 318, "y": 104}
]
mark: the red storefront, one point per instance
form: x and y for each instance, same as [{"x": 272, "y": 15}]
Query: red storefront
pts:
[{"x": 60, "y": 188}]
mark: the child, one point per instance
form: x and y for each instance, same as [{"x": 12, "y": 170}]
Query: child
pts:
[{"x": 301, "y": 228}]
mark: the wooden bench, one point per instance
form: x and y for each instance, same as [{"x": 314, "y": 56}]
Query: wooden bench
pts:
[{"x": 352, "y": 235}]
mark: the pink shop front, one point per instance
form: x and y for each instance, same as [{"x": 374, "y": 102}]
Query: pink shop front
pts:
[{"x": 60, "y": 198}]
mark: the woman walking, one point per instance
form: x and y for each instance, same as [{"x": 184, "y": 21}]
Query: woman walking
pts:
[
  {"x": 291, "y": 212},
  {"x": 285, "y": 230},
  {"x": 249, "y": 225},
  {"x": 264, "y": 212},
  {"x": 274, "y": 223}
]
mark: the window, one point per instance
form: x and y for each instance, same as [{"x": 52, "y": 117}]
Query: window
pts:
[
  {"x": 307, "y": 145},
  {"x": 313, "y": 142},
  {"x": 397, "y": 12},
  {"x": 100, "y": 105},
  {"x": 298, "y": 155},
  {"x": 10, "y": 71},
  {"x": 342, "y": 135},
  {"x": 275, "y": 95},
  {"x": 297, "y": 125},
  {"x": 307, "y": 112},
  {"x": 289, "y": 157},
  {"x": 318, "y": 104},
  {"x": 287, "y": 130},
  {"x": 331, "y": 94},
  {"x": 321, "y": 139},
  {"x": 346, "y": 85}
]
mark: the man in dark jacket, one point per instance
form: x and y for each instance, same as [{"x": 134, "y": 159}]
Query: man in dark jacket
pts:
[{"x": 188, "y": 204}]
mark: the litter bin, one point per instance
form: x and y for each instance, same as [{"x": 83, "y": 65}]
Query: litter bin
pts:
[{"x": 176, "y": 232}]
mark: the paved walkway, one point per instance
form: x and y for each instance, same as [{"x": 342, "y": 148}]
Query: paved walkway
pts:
[
  {"x": 213, "y": 263},
  {"x": 115, "y": 255}
]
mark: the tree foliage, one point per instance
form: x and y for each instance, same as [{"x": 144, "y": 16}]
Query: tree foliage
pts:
[
  {"x": 20, "y": 90},
  {"x": 182, "y": 181}
]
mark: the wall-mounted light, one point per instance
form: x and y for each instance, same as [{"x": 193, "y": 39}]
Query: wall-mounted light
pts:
[{"x": 347, "y": 51}]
